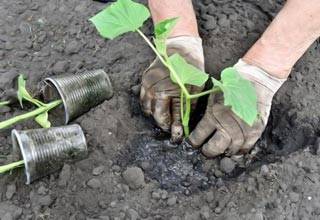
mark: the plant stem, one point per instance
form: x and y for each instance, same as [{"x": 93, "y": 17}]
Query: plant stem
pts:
[
  {"x": 181, "y": 104},
  {"x": 8, "y": 167},
  {"x": 181, "y": 85},
  {"x": 31, "y": 114},
  {"x": 4, "y": 103},
  {"x": 213, "y": 90},
  {"x": 186, "y": 117}
]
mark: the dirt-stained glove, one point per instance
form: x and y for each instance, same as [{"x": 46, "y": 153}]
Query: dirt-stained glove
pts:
[
  {"x": 230, "y": 134},
  {"x": 160, "y": 97}
]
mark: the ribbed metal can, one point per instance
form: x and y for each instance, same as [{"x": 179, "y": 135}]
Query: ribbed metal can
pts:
[
  {"x": 45, "y": 151},
  {"x": 79, "y": 92}
]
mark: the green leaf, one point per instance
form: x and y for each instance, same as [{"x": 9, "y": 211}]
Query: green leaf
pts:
[
  {"x": 161, "y": 46},
  {"x": 23, "y": 94},
  {"x": 164, "y": 28},
  {"x": 22, "y": 91},
  {"x": 120, "y": 17},
  {"x": 186, "y": 73},
  {"x": 239, "y": 94},
  {"x": 43, "y": 121},
  {"x": 162, "y": 31}
]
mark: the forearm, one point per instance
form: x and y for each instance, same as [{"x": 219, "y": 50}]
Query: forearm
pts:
[
  {"x": 287, "y": 38},
  {"x": 164, "y": 9}
]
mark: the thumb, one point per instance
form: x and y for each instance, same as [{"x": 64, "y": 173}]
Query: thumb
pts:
[{"x": 176, "y": 126}]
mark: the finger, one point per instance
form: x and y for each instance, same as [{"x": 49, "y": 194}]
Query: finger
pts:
[
  {"x": 176, "y": 127},
  {"x": 231, "y": 126},
  {"x": 153, "y": 75},
  {"x": 252, "y": 135},
  {"x": 145, "y": 101},
  {"x": 161, "y": 112},
  {"x": 217, "y": 144},
  {"x": 203, "y": 130}
]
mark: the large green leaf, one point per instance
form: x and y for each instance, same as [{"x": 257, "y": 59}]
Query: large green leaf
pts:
[
  {"x": 239, "y": 94},
  {"x": 43, "y": 121},
  {"x": 120, "y": 17},
  {"x": 187, "y": 74}
]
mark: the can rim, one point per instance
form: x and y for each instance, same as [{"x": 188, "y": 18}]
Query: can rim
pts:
[
  {"x": 17, "y": 138},
  {"x": 62, "y": 96}
]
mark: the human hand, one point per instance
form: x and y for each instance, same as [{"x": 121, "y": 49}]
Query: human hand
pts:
[
  {"x": 230, "y": 134},
  {"x": 159, "y": 96}
]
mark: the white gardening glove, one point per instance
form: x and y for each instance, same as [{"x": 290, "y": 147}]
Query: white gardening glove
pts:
[
  {"x": 159, "y": 96},
  {"x": 231, "y": 135}
]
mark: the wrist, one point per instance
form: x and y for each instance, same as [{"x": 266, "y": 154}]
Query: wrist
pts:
[{"x": 270, "y": 59}]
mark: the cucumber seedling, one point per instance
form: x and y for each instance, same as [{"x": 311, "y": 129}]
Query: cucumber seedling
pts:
[
  {"x": 127, "y": 16},
  {"x": 40, "y": 114}
]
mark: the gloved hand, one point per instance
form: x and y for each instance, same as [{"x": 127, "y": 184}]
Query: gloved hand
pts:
[
  {"x": 230, "y": 134},
  {"x": 160, "y": 97}
]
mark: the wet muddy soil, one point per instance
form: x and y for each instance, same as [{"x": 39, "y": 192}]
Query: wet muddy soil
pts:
[{"x": 130, "y": 172}]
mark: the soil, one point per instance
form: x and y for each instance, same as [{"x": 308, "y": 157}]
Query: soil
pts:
[{"x": 132, "y": 171}]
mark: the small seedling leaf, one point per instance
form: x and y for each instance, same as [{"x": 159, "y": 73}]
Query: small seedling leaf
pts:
[
  {"x": 164, "y": 28},
  {"x": 22, "y": 91},
  {"x": 23, "y": 94},
  {"x": 239, "y": 94},
  {"x": 162, "y": 31},
  {"x": 42, "y": 120},
  {"x": 120, "y": 17},
  {"x": 187, "y": 74}
]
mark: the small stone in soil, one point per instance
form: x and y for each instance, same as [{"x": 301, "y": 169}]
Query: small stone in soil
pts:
[
  {"x": 113, "y": 204},
  {"x": 172, "y": 201},
  {"x": 133, "y": 214},
  {"x": 294, "y": 197},
  {"x": 98, "y": 170},
  {"x": 60, "y": 67},
  {"x": 264, "y": 170},
  {"x": 64, "y": 175},
  {"x": 7, "y": 216},
  {"x": 227, "y": 165},
  {"x": 11, "y": 190},
  {"x": 134, "y": 177},
  {"x": 156, "y": 195},
  {"x": 217, "y": 210},
  {"x": 205, "y": 213},
  {"x": 209, "y": 196},
  {"x": 116, "y": 168},
  {"x": 42, "y": 190},
  {"x": 45, "y": 200},
  {"x": 94, "y": 183},
  {"x": 73, "y": 47}
]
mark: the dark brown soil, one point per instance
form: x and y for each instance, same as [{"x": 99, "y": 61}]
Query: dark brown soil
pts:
[{"x": 278, "y": 180}]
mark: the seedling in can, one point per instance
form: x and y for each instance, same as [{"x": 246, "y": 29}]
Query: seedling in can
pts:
[{"x": 40, "y": 114}]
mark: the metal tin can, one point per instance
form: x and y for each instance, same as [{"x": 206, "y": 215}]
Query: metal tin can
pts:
[
  {"x": 45, "y": 151},
  {"x": 79, "y": 92}
]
